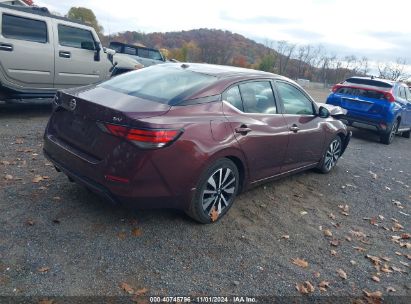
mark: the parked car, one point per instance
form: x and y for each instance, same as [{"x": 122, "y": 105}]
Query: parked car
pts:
[
  {"x": 146, "y": 56},
  {"x": 40, "y": 53},
  {"x": 190, "y": 136},
  {"x": 380, "y": 104}
]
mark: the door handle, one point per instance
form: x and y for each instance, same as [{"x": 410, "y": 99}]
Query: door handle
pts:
[
  {"x": 64, "y": 54},
  {"x": 6, "y": 47},
  {"x": 243, "y": 130},
  {"x": 294, "y": 128}
]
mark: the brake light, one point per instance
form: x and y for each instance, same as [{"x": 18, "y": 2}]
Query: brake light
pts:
[
  {"x": 154, "y": 138},
  {"x": 335, "y": 88},
  {"x": 162, "y": 136},
  {"x": 388, "y": 96}
]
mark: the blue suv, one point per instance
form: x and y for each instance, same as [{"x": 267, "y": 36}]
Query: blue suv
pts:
[{"x": 381, "y": 104}]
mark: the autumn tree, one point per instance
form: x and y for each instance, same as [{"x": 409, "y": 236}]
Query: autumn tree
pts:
[
  {"x": 85, "y": 15},
  {"x": 240, "y": 61},
  {"x": 267, "y": 63}
]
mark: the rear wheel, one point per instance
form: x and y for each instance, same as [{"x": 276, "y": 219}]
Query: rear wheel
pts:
[
  {"x": 215, "y": 193},
  {"x": 331, "y": 156},
  {"x": 388, "y": 137}
]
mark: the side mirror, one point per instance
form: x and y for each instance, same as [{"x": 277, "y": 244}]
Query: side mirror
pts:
[
  {"x": 323, "y": 112},
  {"x": 97, "y": 53}
]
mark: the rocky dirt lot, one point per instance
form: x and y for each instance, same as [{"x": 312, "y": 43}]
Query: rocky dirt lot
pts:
[{"x": 342, "y": 234}]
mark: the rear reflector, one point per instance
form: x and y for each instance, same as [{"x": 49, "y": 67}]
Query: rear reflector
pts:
[
  {"x": 153, "y": 138},
  {"x": 118, "y": 179}
]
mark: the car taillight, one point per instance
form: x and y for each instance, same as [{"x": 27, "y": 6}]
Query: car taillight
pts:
[
  {"x": 388, "y": 96},
  {"x": 153, "y": 138},
  {"x": 335, "y": 88}
]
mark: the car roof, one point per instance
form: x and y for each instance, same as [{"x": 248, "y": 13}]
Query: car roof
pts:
[
  {"x": 222, "y": 71},
  {"x": 226, "y": 75},
  {"x": 40, "y": 11}
]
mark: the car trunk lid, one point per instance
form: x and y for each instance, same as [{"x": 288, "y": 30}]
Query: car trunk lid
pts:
[
  {"x": 364, "y": 99},
  {"x": 78, "y": 117}
]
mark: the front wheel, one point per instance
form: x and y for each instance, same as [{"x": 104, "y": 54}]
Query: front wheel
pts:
[
  {"x": 331, "y": 156},
  {"x": 215, "y": 193},
  {"x": 406, "y": 134}
]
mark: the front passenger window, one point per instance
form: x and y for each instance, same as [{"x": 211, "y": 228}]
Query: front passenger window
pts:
[
  {"x": 295, "y": 102},
  {"x": 74, "y": 37}
]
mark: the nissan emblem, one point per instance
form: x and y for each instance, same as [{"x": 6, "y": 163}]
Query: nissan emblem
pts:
[{"x": 72, "y": 104}]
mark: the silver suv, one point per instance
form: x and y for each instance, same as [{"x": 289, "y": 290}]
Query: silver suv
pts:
[{"x": 41, "y": 53}]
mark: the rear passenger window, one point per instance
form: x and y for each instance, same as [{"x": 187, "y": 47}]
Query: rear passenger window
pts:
[
  {"x": 402, "y": 93},
  {"x": 143, "y": 53},
  {"x": 24, "y": 29},
  {"x": 408, "y": 94},
  {"x": 234, "y": 98},
  {"x": 258, "y": 97},
  {"x": 73, "y": 37}
]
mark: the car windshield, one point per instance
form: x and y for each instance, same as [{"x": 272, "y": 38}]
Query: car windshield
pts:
[
  {"x": 164, "y": 84},
  {"x": 361, "y": 92}
]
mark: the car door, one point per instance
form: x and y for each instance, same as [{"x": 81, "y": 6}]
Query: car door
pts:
[
  {"x": 259, "y": 129},
  {"x": 306, "y": 136},
  {"x": 74, "y": 64},
  {"x": 26, "y": 53}
]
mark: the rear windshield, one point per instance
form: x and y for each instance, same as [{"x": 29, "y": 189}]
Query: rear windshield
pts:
[
  {"x": 371, "y": 82},
  {"x": 164, "y": 84},
  {"x": 360, "y": 92}
]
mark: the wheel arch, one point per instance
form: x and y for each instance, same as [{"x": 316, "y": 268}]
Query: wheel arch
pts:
[{"x": 237, "y": 157}]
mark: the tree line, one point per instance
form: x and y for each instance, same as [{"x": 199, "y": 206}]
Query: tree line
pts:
[{"x": 312, "y": 62}]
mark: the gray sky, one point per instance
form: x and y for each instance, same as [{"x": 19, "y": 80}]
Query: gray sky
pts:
[{"x": 380, "y": 30}]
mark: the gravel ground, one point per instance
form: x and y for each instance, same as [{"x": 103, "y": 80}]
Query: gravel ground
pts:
[{"x": 59, "y": 239}]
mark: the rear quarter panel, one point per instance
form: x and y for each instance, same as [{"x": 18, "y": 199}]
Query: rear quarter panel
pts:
[{"x": 207, "y": 137}]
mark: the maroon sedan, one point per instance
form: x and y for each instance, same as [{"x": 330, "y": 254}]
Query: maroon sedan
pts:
[{"x": 190, "y": 136}]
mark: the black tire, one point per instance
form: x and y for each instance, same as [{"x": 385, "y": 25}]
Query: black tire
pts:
[
  {"x": 331, "y": 155},
  {"x": 406, "y": 134},
  {"x": 387, "y": 137},
  {"x": 223, "y": 174}
]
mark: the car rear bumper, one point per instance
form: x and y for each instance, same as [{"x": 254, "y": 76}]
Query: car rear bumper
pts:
[
  {"x": 83, "y": 180},
  {"x": 361, "y": 122},
  {"x": 146, "y": 189}
]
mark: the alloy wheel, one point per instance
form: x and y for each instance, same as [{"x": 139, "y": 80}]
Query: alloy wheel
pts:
[
  {"x": 219, "y": 190},
  {"x": 332, "y": 155},
  {"x": 393, "y": 131}
]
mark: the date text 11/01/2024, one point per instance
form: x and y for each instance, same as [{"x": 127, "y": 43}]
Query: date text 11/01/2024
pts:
[{"x": 203, "y": 299}]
